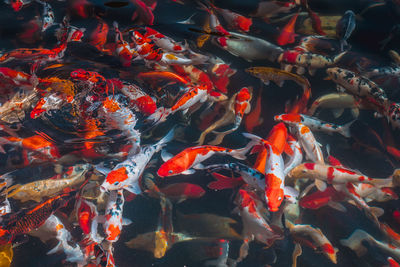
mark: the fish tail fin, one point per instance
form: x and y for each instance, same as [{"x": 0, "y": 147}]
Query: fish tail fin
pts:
[
  {"x": 345, "y": 129},
  {"x": 160, "y": 115},
  {"x": 382, "y": 182},
  {"x": 74, "y": 254},
  {"x": 58, "y": 248},
  {"x": 163, "y": 141},
  {"x": 222, "y": 182},
  {"x": 339, "y": 57},
  {"x": 241, "y": 152}
]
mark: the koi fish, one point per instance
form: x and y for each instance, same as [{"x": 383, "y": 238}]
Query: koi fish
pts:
[
  {"x": 287, "y": 35},
  {"x": 308, "y": 142},
  {"x": 189, "y": 159},
  {"x": 194, "y": 75},
  {"x": 234, "y": 20},
  {"x": 251, "y": 176},
  {"x": 248, "y": 47},
  {"x": 53, "y": 227},
  {"x": 290, "y": 58},
  {"x": 266, "y": 74},
  {"x": 193, "y": 95},
  {"x": 275, "y": 190},
  {"x": 241, "y": 106},
  {"x": 24, "y": 221},
  {"x": 337, "y": 102},
  {"x": 126, "y": 174},
  {"x": 167, "y": 75},
  {"x": 277, "y": 136},
  {"x": 113, "y": 216},
  {"x": 318, "y": 239},
  {"x": 255, "y": 225},
  {"x": 164, "y": 42},
  {"x": 40, "y": 189},
  {"x": 178, "y": 192},
  {"x": 88, "y": 218},
  {"x": 123, "y": 49},
  {"x": 359, "y": 86},
  {"x": 334, "y": 175},
  {"x": 315, "y": 124}
]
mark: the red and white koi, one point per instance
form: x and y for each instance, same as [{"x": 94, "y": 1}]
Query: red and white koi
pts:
[
  {"x": 274, "y": 176},
  {"x": 123, "y": 49},
  {"x": 164, "y": 42},
  {"x": 307, "y": 141},
  {"x": 18, "y": 78},
  {"x": 334, "y": 175},
  {"x": 372, "y": 193},
  {"x": 315, "y": 124},
  {"x": 317, "y": 238},
  {"x": 146, "y": 50},
  {"x": 234, "y": 20},
  {"x": 53, "y": 227},
  {"x": 193, "y": 95},
  {"x": 255, "y": 225},
  {"x": 139, "y": 100},
  {"x": 88, "y": 218},
  {"x": 191, "y": 158},
  {"x": 126, "y": 174},
  {"x": 113, "y": 222}
]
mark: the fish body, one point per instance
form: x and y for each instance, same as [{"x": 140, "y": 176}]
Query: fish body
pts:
[
  {"x": 127, "y": 173},
  {"x": 46, "y": 188},
  {"x": 53, "y": 227},
  {"x": 317, "y": 238},
  {"x": 191, "y": 157},
  {"x": 334, "y": 175},
  {"x": 314, "y": 124}
]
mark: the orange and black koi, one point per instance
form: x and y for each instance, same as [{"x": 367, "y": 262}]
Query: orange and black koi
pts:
[{"x": 25, "y": 221}]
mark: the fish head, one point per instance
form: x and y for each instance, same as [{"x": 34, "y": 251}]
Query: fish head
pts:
[
  {"x": 146, "y": 104},
  {"x": 115, "y": 179},
  {"x": 243, "y": 95},
  {"x": 301, "y": 171},
  {"x": 174, "y": 166},
  {"x": 274, "y": 198}
]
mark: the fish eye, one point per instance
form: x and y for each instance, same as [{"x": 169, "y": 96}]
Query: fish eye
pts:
[
  {"x": 170, "y": 171},
  {"x": 279, "y": 198},
  {"x": 116, "y": 183},
  {"x": 303, "y": 171}
]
